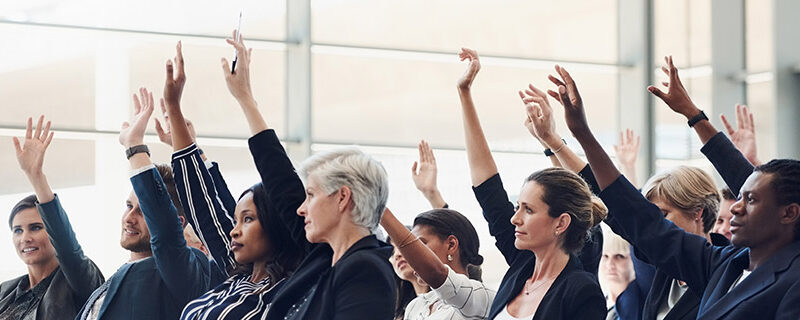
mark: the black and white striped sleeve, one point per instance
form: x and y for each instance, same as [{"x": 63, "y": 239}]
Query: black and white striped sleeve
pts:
[
  {"x": 468, "y": 297},
  {"x": 208, "y": 207}
]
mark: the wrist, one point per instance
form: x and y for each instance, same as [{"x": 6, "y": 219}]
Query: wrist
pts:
[
  {"x": 690, "y": 110},
  {"x": 464, "y": 88},
  {"x": 551, "y": 141}
]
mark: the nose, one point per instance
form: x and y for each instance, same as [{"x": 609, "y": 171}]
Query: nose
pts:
[
  {"x": 236, "y": 231},
  {"x": 737, "y": 208},
  {"x": 302, "y": 210},
  {"x": 515, "y": 219}
]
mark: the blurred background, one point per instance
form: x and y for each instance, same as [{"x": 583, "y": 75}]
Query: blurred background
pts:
[{"x": 382, "y": 75}]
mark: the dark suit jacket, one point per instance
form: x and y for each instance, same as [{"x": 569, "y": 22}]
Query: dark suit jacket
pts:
[
  {"x": 575, "y": 294},
  {"x": 772, "y": 291},
  {"x": 160, "y": 286},
  {"x": 360, "y": 286},
  {"x": 74, "y": 280}
]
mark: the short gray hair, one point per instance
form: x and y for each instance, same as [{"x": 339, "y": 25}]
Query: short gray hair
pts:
[{"x": 364, "y": 175}]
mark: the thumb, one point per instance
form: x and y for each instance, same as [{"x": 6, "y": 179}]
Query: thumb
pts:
[
  {"x": 414, "y": 169},
  {"x": 159, "y": 129},
  {"x": 226, "y": 68},
  {"x": 564, "y": 97},
  {"x": 657, "y": 92},
  {"x": 125, "y": 125},
  {"x": 18, "y": 148}
]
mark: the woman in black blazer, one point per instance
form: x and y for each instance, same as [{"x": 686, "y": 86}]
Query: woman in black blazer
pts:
[
  {"x": 541, "y": 238},
  {"x": 346, "y": 273}
]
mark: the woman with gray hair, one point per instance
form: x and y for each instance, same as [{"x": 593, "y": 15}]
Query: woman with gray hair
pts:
[{"x": 346, "y": 273}]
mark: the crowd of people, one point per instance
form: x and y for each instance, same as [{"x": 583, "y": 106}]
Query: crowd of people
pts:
[{"x": 582, "y": 240}]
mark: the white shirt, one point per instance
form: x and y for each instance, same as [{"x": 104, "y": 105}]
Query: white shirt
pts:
[
  {"x": 459, "y": 297},
  {"x": 504, "y": 315},
  {"x": 741, "y": 278}
]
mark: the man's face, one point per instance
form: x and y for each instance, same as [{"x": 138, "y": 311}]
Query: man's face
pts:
[
  {"x": 756, "y": 215},
  {"x": 135, "y": 235}
]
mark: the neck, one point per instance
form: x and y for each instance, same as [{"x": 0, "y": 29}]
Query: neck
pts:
[
  {"x": 37, "y": 272},
  {"x": 614, "y": 290},
  {"x": 259, "y": 271},
  {"x": 549, "y": 263},
  {"x": 419, "y": 289},
  {"x": 343, "y": 238},
  {"x": 760, "y": 254},
  {"x": 140, "y": 255}
]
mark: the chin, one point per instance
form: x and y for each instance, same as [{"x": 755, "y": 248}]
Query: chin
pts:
[{"x": 520, "y": 245}]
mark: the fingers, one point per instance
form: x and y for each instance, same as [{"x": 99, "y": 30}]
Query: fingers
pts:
[
  {"x": 554, "y": 95},
  {"x": 621, "y": 139},
  {"x": 564, "y": 97},
  {"x": 421, "y": 153},
  {"x": 17, "y": 146},
  {"x": 46, "y": 132},
  {"x": 170, "y": 71},
  {"x": 638, "y": 140},
  {"x": 572, "y": 88},
  {"x": 414, "y": 169},
  {"x": 226, "y": 68},
  {"x": 38, "y": 132},
  {"x": 658, "y": 93},
  {"x": 137, "y": 106},
  {"x": 179, "y": 60},
  {"x": 29, "y": 129},
  {"x": 49, "y": 139},
  {"x": 555, "y": 80},
  {"x": 727, "y": 125},
  {"x": 159, "y": 129}
]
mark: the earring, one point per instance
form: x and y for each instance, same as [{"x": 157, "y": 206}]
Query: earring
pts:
[
  {"x": 556, "y": 233},
  {"x": 450, "y": 258}
]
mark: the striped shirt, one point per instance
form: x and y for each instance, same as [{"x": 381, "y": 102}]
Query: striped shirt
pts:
[
  {"x": 236, "y": 298},
  {"x": 209, "y": 208},
  {"x": 459, "y": 297}
]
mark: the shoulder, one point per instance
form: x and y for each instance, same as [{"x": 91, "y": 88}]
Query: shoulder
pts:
[
  {"x": 580, "y": 283},
  {"x": 9, "y": 285},
  {"x": 365, "y": 261}
]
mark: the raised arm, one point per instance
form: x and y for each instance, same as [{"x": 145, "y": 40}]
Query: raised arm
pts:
[
  {"x": 744, "y": 136},
  {"x": 532, "y": 129},
  {"x": 185, "y": 270},
  {"x": 419, "y": 256},
  {"x": 481, "y": 164},
  {"x": 537, "y": 107},
  {"x": 277, "y": 173},
  {"x": 201, "y": 198},
  {"x": 238, "y": 83},
  {"x": 729, "y": 162},
  {"x": 627, "y": 151},
  {"x": 424, "y": 175},
  {"x": 82, "y": 275},
  {"x": 688, "y": 257}
]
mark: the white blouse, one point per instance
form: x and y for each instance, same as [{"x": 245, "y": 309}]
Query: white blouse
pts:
[{"x": 459, "y": 297}]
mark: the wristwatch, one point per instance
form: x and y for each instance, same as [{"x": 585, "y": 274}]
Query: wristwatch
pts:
[
  {"x": 137, "y": 149},
  {"x": 694, "y": 120}
]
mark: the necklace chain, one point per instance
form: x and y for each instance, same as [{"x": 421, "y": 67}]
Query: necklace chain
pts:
[{"x": 528, "y": 290}]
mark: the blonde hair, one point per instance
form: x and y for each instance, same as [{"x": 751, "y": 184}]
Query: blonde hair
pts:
[
  {"x": 613, "y": 243},
  {"x": 687, "y": 188}
]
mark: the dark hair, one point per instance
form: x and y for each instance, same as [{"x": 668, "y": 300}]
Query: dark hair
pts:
[
  {"x": 404, "y": 292},
  {"x": 727, "y": 194},
  {"x": 26, "y": 203},
  {"x": 785, "y": 183},
  {"x": 169, "y": 180},
  {"x": 285, "y": 252},
  {"x": 565, "y": 192},
  {"x": 447, "y": 222}
]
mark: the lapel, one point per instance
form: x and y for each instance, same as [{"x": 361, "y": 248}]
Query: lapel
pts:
[
  {"x": 687, "y": 303},
  {"x": 720, "y": 302},
  {"x": 113, "y": 287}
]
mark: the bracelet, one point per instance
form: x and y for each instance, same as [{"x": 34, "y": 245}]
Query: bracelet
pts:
[
  {"x": 699, "y": 117},
  {"x": 405, "y": 239},
  {"x": 137, "y": 149},
  {"x": 410, "y": 242},
  {"x": 549, "y": 153},
  {"x": 563, "y": 144}
]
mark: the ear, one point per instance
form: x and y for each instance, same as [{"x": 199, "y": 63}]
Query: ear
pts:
[
  {"x": 562, "y": 222},
  {"x": 183, "y": 221},
  {"x": 452, "y": 244},
  {"x": 344, "y": 198},
  {"x": 698, "y": 216},
  {"x": 790, "y": 214}
]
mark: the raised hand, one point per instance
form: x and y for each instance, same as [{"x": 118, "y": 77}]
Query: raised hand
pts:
[
  {"x": 569, "y": 97},
  {"x": 132, "y": 134},
  {"x": 628, "y": 148},
  {"x": 30, "y": 152},
  {"x": 424, "y": 175},
  {"x": 676, "y": 96},
  {"x": 165, "y": 133},
  {"x": 744, "y": 137},
  {"x": 465, "y": 82},
  {"x": 239, "y": 81},
  {"x": 540, "y": 122},
  {"x": 627, "y": 151},
  {"x": 176, "y": 79}
]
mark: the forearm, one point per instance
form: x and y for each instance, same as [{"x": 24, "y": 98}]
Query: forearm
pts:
[
  {"x": 564, "y": 155},
  {"x": 554, "y": 161},
  {"x": 254, "y": 118},
  {"x": 603, "y": 168},
  {"x": 181, "y": 138},
  {"x": 434, "y": 198},
  {"x": 41, "y": 187},
  {"x": 419, "y": 256},
  {"x": 481, "y": 163}
]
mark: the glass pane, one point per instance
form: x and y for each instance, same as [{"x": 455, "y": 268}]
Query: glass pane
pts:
[
  {"x": 758, "y": 24},
  {"x": 68, "y": 163},
  {"x": 673, "y": 138},
  {"x": 378, "y": 101},
  {"x": 760, "y": 99},
  {"x": 682, "y": 29},
  {"x": 564, "y": 30},
  {"x": 261, "y": 19}
]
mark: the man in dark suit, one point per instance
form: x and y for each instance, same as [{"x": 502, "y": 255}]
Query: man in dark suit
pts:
[{"x": 163, "y": 273}]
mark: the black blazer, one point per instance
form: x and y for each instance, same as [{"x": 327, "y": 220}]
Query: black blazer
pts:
[
  {"x": 361, "y": 285},
  {"x": 575, "y": 294},
  {"x": 771, "y": 291}
]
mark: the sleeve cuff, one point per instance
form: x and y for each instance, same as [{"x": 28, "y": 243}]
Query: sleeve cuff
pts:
[
  {"x": 490, "y": 184},
  {"x": 717, "y": 142},
  {"x": 136, "y": 172},
  {"x": 185, "y": 152}
]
